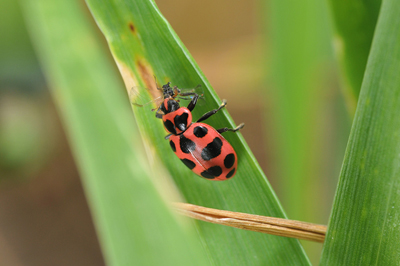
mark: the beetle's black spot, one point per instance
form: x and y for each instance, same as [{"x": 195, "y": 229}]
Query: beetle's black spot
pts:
[
  {"x": 172, "y": 144},
  {"x": 229, "y": 160},
  {"x": 212, "y": 150},
  {"x": 181, "y": 121},
  {"x": 188, "y": 163},
  {"x": 231, "y": 173},
  {"x": 215, "y": 171},
  {"x": 200, "y": 131},
  {"x": 187, "y": 145},
  {"x": 205, "y": 174},
  {"x": 170, "y": 126},
  {"x": 172, "y": 106},
  {"x": 163, "y": 108}
]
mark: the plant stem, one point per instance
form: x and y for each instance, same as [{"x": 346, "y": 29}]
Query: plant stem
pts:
[{"x": 257, "y": 223}]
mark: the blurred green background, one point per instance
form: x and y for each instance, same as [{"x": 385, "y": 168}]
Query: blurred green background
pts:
[{"x": 44, "y": 217}]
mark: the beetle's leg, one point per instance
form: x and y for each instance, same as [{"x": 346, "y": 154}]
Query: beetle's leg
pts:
[
  {"x": 190, "y": 93},
  {"x": 187, "y": 93},
  {"x": 222, "y": 130},
  {"x": 193, "y": 102},
  {"x": 184, "y": 98},
  {"x": 212, "y": 112},
  {"x": 159, "y": 113},
  {"x": 167, "y": 136},
  {"x": 176, "y": 91}
]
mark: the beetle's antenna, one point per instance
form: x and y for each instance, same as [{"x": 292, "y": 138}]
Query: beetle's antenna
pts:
[{"x": 155, "y": 80}]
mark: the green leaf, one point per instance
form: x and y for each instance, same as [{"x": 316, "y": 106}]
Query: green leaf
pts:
[
  {"x": 364, "y": 226},
  {"x": 355, "y": 22},
  {"x": 300, "y": 46},
  {"x": 301, "y": 57},
  {"x": 144, "y": 44},
  {"x": 134, "y": 224}
]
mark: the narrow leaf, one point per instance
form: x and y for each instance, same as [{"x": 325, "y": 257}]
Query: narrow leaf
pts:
[
  {"x": 364, "y": 227},
  {"x": 355, "y": 22},
  {"x": 144, "y": 44},
  {"x": 134, "y": 224},
  {"x": 299, "y": 48}
]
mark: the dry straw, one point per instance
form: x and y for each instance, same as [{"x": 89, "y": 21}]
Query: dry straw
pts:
[{"x": 257, "y": 223}]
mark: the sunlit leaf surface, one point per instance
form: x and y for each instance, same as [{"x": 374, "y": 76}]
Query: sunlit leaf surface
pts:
[
  {"x": 364, "y": 226},
  {"x": 143, "y": 44}
]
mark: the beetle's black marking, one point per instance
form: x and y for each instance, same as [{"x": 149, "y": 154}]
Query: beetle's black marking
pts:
[
  {"x": 181, "y": 121},
  {"x": 186, "y": 144},
  {"x": 212, "y": 150},
  {"x": 229, "y": 160},
  {"x": 172, "y": 106},
  {"x": 188, "y": 163},
  {"x": 162, "y": 108},
  {"x": 169, "y": 106},
  {"x": 172, "y": 145},
  {"x": 231, "y": 173},
  {"x": 170, "y": 126},
  {"x": 215, "y": 171},
  {"x": 200, "y": 131},
  {"x": 205, "y": 174}
]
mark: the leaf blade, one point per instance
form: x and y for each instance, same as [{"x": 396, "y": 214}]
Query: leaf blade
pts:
[
  {"x": 154, "y": 48},
  {"x": 130, "y": 215},
  {"x": 366, "y": 214},
  {"x": 355, "y": 23}
]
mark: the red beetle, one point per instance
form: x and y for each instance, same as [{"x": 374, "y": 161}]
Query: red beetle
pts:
[{"x": 200, "y": 147}]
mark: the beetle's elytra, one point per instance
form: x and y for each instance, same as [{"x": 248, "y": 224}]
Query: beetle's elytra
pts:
[{"x": 200, "y": 147}]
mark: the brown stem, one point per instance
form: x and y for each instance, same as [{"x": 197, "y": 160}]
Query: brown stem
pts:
[{"x": 257, "y": 223}]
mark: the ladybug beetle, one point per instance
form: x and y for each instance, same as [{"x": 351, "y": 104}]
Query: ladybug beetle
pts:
[{"x": 199, "y": 146}]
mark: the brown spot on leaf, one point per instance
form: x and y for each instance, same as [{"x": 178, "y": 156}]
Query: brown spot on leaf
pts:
[
  {"x": 148, "y": 77},
  {"x": 132, "y": 27},
  {"x": 131, "y": 79}
]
